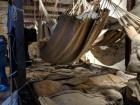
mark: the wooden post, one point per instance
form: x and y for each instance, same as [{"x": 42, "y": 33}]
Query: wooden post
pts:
[
  {"x": 20, "y": 52},
  {"x": 130, "y": 4},
  {"x": 127, "y": 51}
]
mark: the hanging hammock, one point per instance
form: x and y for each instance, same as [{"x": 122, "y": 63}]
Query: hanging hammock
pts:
[
  {"x": 72, "y": 37},
  {"x": 112, "y": 37},
  {"x": 109, "y": 38},
  {"x": 94, "y": 33},
  {"x": 108, "y": 48},
  {"x": 64, "y": 39}
]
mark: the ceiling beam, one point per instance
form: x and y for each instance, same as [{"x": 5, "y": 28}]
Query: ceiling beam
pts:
[
  {"x": 47, "y": 8},
  {"x": 3, "y": 4},
  {"x": 48, "y": 4},
  {"x": 32, "y": 12},
  {"x": 38, "y": 16},
  {"x": 59, "y": 1}
]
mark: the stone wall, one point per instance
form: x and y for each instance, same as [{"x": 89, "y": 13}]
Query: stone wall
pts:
[{"x": 3, "y": 17}]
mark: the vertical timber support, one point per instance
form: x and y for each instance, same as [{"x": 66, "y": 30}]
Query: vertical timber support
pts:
[
  {"x": 127, "y": 50},
  {"x": 130, "y": 4},
  {"x": 20, "y": 55}
]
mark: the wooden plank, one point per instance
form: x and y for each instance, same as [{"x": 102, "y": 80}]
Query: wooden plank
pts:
[
  {"x": 60, "y": 1},
  {"x": 48, "y": 4},
  {"x": 3, "y": 18},
  {"x": 32, "y": 16},
  {"x": 3, "y": 4},
  {"x": 130, "y": 4},
  {"x": 47, "y": 8},
  {"x": 63, "y": 5},
  {"x": 32, "y": 12}
]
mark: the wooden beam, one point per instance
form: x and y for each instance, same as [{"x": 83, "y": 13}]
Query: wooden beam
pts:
[
  {"x": 51, "y": 1},
  {"x": 32, "y": 7},
  {"x": 60, "y": 1},
  {"x": 130, "y": 4},
  {"x": 29, "y": 20},
  {"x": 26, "y": 8},
  {"x": 4, "y": 4},
  {"x": 48, "y": 4},
  {"x": 34, "y": 12},
  {"x": 28, "y": 15}
]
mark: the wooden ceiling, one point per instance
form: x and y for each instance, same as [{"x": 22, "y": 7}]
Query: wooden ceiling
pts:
[{"x": 31, "y": 9}]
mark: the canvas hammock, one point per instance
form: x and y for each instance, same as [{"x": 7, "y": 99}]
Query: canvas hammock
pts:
[
  {"x": 73, "y": 37},
  {"x": 109, "y": 48},
  {"x": 109, "y": 38},
  {"x": 112, "y": 39}
]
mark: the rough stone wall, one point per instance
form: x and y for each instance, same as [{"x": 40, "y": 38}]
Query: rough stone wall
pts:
[{"x": 3, "y": 18}]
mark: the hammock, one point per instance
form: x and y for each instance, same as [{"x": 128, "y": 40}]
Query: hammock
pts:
[
  {"x": 108, "y": 48},
  {"x": 72, "y": 37},
  {"x": 109, "y": 38},
  {"x": 112, "y": 37},
  {"x": 64, "y": 39}
]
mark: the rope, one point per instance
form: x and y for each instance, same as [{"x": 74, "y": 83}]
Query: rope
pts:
[
  {"x": 42, "y": 7},
  {"x": 55, "y": 6},
  {"x": 124, "y": 17},
  {"x": 34, "y": 10},
  {"x": 117, "y": 6}
]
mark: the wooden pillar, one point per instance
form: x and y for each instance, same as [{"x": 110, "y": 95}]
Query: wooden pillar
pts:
[
  {"x": 20, "y": 52},
  {"x": 130, "y": 4},
  {"x": 127, "y": 50}
]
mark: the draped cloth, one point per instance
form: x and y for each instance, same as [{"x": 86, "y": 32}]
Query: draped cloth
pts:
[
  {"x": 44, "y": 31},
  {"x": 109, "y": 48},
  {"x": 109, "y": 38},
  {"x": 94, "y": 33},
  {"x": 71, "y": 38},
  {"x": 12, "y": 100}
]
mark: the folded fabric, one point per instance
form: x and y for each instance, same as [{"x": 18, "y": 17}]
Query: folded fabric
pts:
[
  {"x": 12, "y": 100},
  {"x": 3, "y": 88}
]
